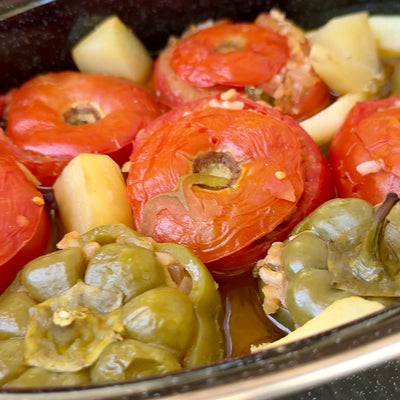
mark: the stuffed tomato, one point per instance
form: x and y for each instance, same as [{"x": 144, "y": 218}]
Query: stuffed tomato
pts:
[
  {"x": 54, "y": 117},
  {"x": 24, "y": 224},
  {"x": 267, "y": 59},
  {"x": 222, "y": 176},
  {"x": 364, "y": 153}
]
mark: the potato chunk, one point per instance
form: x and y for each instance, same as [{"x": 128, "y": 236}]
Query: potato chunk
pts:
[
  {"x": 113, "y": 49},
  {"x": 339, "y": 313},
  {"x": 323, "y": 125},
  {"x": 386, "y": 31},
  {"x": 344, "y": 55},
  {"x": 91, "y": 191}
]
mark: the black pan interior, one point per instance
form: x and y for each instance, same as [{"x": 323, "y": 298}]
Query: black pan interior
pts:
[{"x": 39, "y": 40}]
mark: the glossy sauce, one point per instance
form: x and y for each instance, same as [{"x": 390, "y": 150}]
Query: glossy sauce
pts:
[{"x": 245, "y": 322}]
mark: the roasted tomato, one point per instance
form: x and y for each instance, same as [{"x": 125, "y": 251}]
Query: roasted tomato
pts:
[
  {"x": 266, "y": 60},
  {"x": 222, "y": 172},
  {"x": 54, "y": 117},
  {"x": 24, "y": 223},
  {"x": 364, "y": 153}
]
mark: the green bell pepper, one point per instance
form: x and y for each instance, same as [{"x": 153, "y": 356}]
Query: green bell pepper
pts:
[
  {"x": 345, "y": 247},
  {"x": 117, "y": 290},
  {"x": 135, "y": 359}
]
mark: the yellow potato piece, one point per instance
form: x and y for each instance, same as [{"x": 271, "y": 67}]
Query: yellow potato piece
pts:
[
  {"x": 113, "y": 49},
  {"x": 90, "y": 192},
  {"x": 338, "y": 313},
  {"x": 386, "y": 32},
  {"x": 323, "y": 125},
  {"x": 344, "y": 55}
]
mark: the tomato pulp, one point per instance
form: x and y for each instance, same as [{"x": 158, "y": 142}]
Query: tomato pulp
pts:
[{"x": 222, "y": 172}]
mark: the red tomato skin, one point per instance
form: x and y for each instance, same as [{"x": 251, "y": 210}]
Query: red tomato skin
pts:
[
  {"x": 36, "y": 122},
  {"x": 318, "y": 188},
  {"x": 371, "y": 132},
  {"x": 296, "y": 88},
  {"x": 25, "y": 225},
  {"x": 258, "y": 55},
  {"x": 33, "y": 248},
  {"x": 313, "y": 169},
  {"x": 171, "y": 90}
]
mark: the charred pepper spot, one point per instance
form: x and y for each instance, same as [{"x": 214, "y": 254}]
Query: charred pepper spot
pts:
[
  {"x": 80, "y": 114},
  {"x": 217, "y": 163}
]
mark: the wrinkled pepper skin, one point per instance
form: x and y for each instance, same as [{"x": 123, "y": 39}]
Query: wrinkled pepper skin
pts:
[
  {"x": 124, "y": 307},
  {"x": 321, "y": 257}
]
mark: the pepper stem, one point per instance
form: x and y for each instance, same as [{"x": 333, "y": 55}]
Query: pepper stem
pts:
[{"x": 369, "y": 254}]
